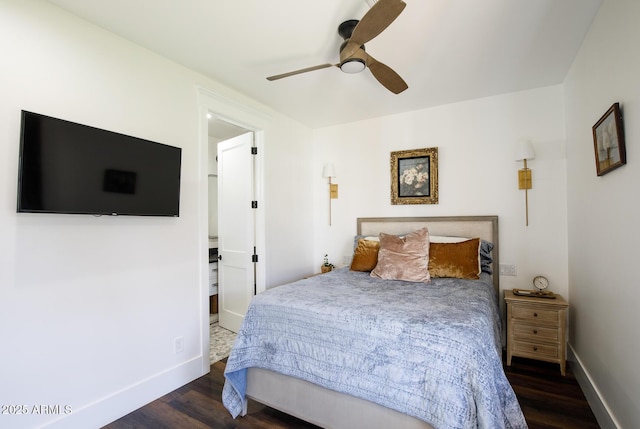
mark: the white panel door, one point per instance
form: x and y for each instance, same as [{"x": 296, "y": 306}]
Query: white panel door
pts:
[{"x": 236, "y": 230}]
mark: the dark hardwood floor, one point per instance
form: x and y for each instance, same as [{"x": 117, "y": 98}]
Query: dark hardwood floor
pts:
[
  {"x": 198, "y": 405},
  {"x": 547, "y": 399}
]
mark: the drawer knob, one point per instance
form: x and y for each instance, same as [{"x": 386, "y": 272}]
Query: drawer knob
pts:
[
  {"x": 535, "y": 331},
  {"x": 535, "y": 314},
  {"x": 535, "y": 349}
]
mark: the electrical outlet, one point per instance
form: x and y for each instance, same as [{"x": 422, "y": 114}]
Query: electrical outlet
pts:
[
  {"x": 178, "y": 345},
  {"x": 507, "y": 270}
]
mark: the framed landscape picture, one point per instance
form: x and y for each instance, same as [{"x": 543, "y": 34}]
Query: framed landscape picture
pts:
[
  {"x": 608, "y": 141},
  {"x": 414, "y": 176}
]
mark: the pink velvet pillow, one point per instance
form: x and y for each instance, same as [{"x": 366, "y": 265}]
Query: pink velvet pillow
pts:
[{"x": 404, "y": 258}]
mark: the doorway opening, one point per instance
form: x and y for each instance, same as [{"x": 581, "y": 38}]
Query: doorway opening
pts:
[{"x": 227, "y": 114}]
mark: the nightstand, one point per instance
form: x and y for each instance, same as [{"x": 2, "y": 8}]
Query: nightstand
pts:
[{"x": 536, "y": 328}]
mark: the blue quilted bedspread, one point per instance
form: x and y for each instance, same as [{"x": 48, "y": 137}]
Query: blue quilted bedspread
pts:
[{"x": 429, "y": 350}]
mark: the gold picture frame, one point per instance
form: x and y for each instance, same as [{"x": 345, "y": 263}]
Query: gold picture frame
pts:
[
  {"x": 608, "y": 141},
  {"x": 414, "y": 176}
]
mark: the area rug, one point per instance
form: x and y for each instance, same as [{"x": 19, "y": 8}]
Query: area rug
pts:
[{"x": 221, "y": 341}]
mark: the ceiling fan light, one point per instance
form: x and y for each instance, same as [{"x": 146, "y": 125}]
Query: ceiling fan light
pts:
[{"x": 353, "y": 65}]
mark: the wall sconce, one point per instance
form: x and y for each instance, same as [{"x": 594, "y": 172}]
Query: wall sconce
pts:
[
  {"x": 329, "y": 171},
  {"x": 524, "y": 152}
]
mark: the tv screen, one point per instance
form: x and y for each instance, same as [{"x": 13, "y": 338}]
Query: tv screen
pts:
[{"x": 66, "y": 167}]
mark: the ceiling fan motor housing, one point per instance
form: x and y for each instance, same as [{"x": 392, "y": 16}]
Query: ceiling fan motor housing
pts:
[{"x": 355, "y": 63}]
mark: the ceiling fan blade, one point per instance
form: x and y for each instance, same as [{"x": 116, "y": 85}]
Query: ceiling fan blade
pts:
[
  {"x": 386, "y": 76},
  {"x": 305, "y": 70},
  {"x": 379, "y": 17}
]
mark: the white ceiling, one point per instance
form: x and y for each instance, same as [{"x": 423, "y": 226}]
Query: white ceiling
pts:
[{"x": 446, "y": 50}]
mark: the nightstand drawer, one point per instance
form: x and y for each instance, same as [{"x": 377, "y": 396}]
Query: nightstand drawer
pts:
[
  {"x": 523, "y": 331},
  {"x": 548, "y": 317},
  {"x": 524, "y": 348}
]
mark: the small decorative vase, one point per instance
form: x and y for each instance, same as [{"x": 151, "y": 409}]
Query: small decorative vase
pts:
[{"x": 325, "y": 268}]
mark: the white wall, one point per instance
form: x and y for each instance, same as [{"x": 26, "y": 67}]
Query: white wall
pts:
[
  {"x": 603, "y": 215},
  {"x": 90, "y": 306},
  {"x": 289, "y": 202},
  {"x": 477, "y": 176}
]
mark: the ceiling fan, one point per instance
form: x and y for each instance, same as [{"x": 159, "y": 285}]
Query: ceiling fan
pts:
[{"x": 353, "y": 57}]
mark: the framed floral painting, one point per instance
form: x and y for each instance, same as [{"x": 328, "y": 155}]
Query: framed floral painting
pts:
[{"x": 414, "y": 176}]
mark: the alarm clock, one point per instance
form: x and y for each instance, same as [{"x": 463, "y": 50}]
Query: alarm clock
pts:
[{"x": 541, "y": 283}]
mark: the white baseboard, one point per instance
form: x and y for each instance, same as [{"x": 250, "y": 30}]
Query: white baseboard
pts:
[
  {"x": 121, "y": 403},
  {"x": 594, "y": 398}
]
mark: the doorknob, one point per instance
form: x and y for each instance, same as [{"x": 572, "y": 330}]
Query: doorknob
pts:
[{"x": 219, "y": 257}]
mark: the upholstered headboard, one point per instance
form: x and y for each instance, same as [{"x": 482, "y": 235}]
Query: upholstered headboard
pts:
[{"x": 485, "y": 227}]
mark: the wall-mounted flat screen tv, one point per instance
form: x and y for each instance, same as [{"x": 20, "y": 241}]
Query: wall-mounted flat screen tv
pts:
[{"x": 66, "y": 167}]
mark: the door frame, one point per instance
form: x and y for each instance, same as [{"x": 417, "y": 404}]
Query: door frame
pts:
[{"x": 209, "y": 102}]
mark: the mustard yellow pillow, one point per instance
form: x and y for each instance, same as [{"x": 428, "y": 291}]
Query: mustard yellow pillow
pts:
[
  {"x": 403, "y": 258},
  {"x": 365, "y": 256},
  {"x": 458, "y": 260}
]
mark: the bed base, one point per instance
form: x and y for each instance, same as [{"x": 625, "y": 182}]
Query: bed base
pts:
[{"x": 323, "y": 407}]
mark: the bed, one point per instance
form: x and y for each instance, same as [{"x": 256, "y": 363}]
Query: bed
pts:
[{"x": 349, "y": 349}]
